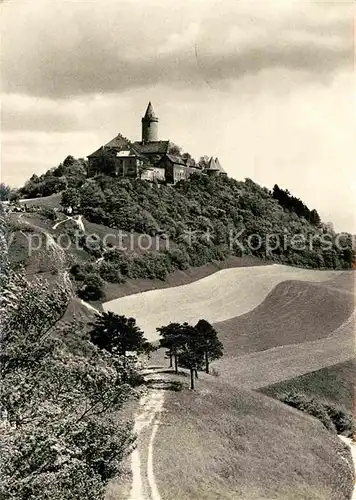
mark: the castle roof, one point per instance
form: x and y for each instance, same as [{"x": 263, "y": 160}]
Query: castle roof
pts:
[
  {"x": 218, "y": 165},
  {"x": 152, "y": 148},
  {"x": 150, "y": 114},
  {"x": 177, "y": 160},
  {"x": 212, "y": 165},
  {"x": 117, "y": 143},
  {"x": 215, "y": 166}
]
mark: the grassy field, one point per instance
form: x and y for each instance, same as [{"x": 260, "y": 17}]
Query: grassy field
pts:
[
  {"x": 28, "y": 248},
  {"x": 334, "y": 384},
  {"x": 226, "y": 443},
  {"x": 52, "y": 201},
  {"x": 224, "y": 295},
  {"x": 294, "y": 312}
]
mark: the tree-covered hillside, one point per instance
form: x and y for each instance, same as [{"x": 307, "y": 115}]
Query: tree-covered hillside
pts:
[
  {"x": 71, "y": 173},
  {"x": 210, "y": 218}
]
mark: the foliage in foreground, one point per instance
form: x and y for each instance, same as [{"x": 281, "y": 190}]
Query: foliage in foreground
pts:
[{"x": 60, "y": 434}]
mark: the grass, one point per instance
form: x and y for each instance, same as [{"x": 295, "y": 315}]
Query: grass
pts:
[
  {"x": 52, "y": 201},
  {"x": 28, "y": 249},
  {"x": 221, "y": 442},
  {"x": 218, "y": 297},
  {"x": 334, "y": 384},
  {"x": 224, "y": 442},
  {"x": 294, "y": 312},
  {"x": 230, "y": 443}
]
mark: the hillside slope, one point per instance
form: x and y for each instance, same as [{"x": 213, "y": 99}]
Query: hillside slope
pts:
[
  {"x": 196, "y": 222},
  {"x": 294, "y": 312},
  {"x": 334, "y": 384},
  {"x": 270, "y": 366},
  {"x": 218, "y": 297},
  {"x": 246, "y": 453},
  {"x": 239, "y": 445}
]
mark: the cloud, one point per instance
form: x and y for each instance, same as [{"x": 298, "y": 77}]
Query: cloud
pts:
[
  {"x": 21, "y": 112},
  {"x": 70, "y": 49},
  {"x": 25, "y": 153}
]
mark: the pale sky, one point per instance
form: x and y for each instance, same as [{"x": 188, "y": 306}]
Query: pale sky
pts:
[{"x": 267, "y": 86}]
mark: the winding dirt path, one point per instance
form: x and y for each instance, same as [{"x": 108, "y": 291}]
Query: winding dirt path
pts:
[
  {"x": 352, "y": 446},
  {"x": 144, "y": 485},
  {"x": 78, "y": 219}
]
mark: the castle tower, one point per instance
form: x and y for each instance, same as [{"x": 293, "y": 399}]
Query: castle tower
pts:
[{"x": 149, "y": 125}]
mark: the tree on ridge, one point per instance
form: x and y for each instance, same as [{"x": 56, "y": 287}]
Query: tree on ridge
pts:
[
  {"x": 207, "y": 338},
  {"x": 190, "y": 346},
  {"x": 172, "y": 339}
]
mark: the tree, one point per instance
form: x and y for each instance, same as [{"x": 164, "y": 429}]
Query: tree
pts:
[
  {"x": 69, "y": 161},
  {"x": 203, "y": 162},
  {"x": 71, "y": 199},
  {"x": 207, "y": 339},
  {"x": 117, "y": 334},
  {"x": 174, "y": 149},
  {"x": 191, "y": 354},
  {"x": 172, "y": 338},
  {"x": 181, "y": 340},
  {"x": 191, "y": 346},
  {"x": 148, "y": 348},
  {"x": 76, "y": 172},
  {"x": 189, "y": 159},
  {"x": 315, "y": 218},
  {"x": 105, "y": 163},
  {"x": 14, "y": 196},
  {"x": 92, "y": 288},
  {"x": 4, "y": 191}
]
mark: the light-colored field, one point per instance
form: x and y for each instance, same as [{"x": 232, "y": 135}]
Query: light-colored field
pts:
[
  {"x": 270, "y": 366},
  {"x": 223, "y": 295},
  {"x": 294, "y": 312}
]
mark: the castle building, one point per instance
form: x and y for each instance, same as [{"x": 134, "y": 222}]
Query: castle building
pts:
[{"x": 148, "y": 159}]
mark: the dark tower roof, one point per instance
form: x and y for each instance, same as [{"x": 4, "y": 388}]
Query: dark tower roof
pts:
[
  {"x": 150, "y": 114},
  {"x": 212, "y": 167}
]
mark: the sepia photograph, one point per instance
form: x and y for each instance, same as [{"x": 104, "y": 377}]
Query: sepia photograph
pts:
[{"x": 177, "y": 250}]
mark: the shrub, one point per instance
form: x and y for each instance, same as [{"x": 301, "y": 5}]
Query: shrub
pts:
[
  {"x": 311, "y": 406},
  {"x": 49, "y": 213},
  {"x": 110, "y": 272},
  {"x": 178, "y": 257},
  {"x": 92, "y": 288},
  {"x": 342, "y": 419},
  {"x": 335, "y": 418}
]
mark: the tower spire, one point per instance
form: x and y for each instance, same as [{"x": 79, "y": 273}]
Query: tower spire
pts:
[
  {"x": 149, "y": 125},
  {"x": 149, "y": 111}
]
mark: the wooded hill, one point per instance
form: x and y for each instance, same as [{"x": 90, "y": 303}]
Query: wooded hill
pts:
[{"x": 205, "y": 219}]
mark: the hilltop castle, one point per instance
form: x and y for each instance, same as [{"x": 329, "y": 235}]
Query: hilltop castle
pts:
[{"x": 149, "y": 158}]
